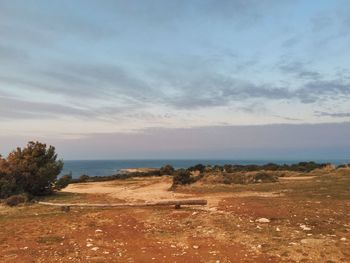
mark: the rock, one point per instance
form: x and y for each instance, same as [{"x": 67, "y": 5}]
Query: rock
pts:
[
  {"x": 311, "y": 241},
  {"x": 195, "y": 247},
  {"x": 278, "y": 229},
  {"x": 98, "y": 231},
  {"x": 89, "y": 245},
  {"x": 305, "y": 228},
  {"x": 343, "y": 239},
  {"x": 263, "y": 220},
  {"x": 95, "y": 248}
]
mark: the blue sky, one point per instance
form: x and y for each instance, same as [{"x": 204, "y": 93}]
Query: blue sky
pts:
[{"x": 75, "y": 73}]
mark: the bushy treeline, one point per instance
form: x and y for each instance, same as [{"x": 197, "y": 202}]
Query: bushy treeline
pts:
[
  {"x": 31, "y": 171},
  {"x": 236, "y": 173},
  {"x": 297, "y": 167}
]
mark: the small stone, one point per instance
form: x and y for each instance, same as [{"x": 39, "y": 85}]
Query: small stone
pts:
[
  {"x": 98, "y": 231},
  {"x": 263, "y": 220},
  {"x": 278, "y": 229},
  {"x": 95, "y": 248},
  {"x": 305, "y": 228},
  {"x": 195, "y": 247},
  {"x": 89, "y": 245},
  {"x": 343, "y": 239}
]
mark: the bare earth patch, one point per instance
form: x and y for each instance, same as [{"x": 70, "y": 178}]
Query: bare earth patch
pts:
[{"x": 289, "y": 221}]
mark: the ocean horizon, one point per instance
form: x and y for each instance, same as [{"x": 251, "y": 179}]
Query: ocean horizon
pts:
[{"x": 110, "y": 167}]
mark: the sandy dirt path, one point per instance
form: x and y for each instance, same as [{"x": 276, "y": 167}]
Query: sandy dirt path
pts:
[
  {"x": 153, "y": 189},
  {"x": 135, "y": 189}
]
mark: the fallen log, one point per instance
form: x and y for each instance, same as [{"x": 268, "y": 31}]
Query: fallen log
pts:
[{"x": 176, "y": 203}]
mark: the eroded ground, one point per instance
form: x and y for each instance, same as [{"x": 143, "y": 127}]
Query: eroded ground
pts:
[{"x": 309, "y": 221}]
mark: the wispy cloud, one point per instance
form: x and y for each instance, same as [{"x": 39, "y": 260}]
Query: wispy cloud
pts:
[{"x": 332, "y": 114}]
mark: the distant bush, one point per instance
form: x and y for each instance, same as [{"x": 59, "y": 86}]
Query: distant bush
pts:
[
  {"x": 15, "y": 200},
  {"x": 83, "y": 178},
  {"x": 63, "y": 181},
  {"x": 182, "y": 177},
  {"x": 166, "y": 170},
  {"x": 198, "y": 167},
  {"x": 298, "y": 167},
  {"x": 246, "y": 178}
]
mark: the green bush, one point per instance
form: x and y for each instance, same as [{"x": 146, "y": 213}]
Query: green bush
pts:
[
  {"x": 182, "y": 177},
  {"x": 83, "y": 178},
  {"x": 198, "y": 167},
  {"x": 166, "y": 170},
  {"x": 63, "y": 181}
]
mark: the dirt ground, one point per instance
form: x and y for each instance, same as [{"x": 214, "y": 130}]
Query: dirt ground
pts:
[{"x": 293, "y": 220}]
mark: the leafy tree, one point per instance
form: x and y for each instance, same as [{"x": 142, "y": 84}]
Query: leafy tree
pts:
[{"x": 34, "y": 168}]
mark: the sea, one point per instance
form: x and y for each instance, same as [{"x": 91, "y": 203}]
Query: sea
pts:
[{"x": 110, "y": 167}]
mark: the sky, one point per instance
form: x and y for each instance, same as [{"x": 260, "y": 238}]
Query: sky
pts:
[{"x": 176, "y": 79}]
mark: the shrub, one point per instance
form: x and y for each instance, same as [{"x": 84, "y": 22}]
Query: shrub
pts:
[
  {"x": 182, "y": 177},
  {"x": 263, "y": 177},
  {"x": 63, "y": 181},
  {"x": 15, "y": 200},
  {"x": 83, "y": 178},
  {"x": 198, "y": 167},
  {"x": 166, "y": 170}
]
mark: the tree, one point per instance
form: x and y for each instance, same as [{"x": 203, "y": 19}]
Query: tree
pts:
[{"x": 34, "y": 168}]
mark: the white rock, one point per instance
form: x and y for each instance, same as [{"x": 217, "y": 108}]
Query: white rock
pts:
[
  {"x": 278, "y": 229},
  {"x": 95, "y": 248},
  {"x": 343, "y": 239},
  {"x": 98, "y": 231},
  {"x": 263, "y": 220},
  {"x": 195, "y": 247},
  {"x": 305, "y": 228},
  {"x": 89, "y": 245}
]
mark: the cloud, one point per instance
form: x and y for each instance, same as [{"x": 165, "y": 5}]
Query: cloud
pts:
[
  {"x": 12, "y": 108},
  {"x": 81, "y": 80},
  {"x": 9, "y": 54},
  {"x": 299, "y": 69},
  {"x": 332, "y": 114},
  {"x": 216, "y": 91}
]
